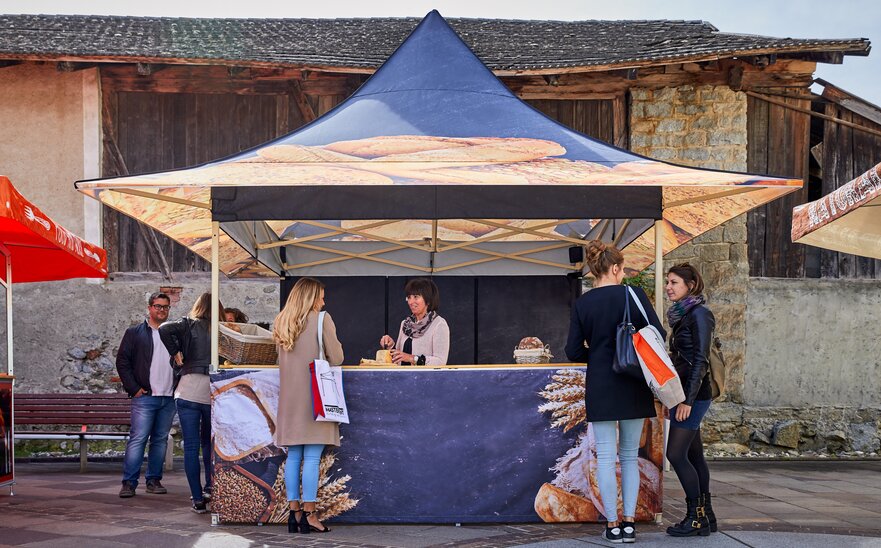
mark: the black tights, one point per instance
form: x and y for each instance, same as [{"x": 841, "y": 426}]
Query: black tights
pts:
[{"x": 685, "y": 451}]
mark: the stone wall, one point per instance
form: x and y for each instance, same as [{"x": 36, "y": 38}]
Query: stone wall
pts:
[
  {"x": 704, "y": 126},
  {"x": 67, "y": 333}
]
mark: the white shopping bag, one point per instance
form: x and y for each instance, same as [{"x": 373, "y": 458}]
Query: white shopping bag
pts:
[
  {"x": 660, "y": 375},
  {"x": 328, "y": 401}
]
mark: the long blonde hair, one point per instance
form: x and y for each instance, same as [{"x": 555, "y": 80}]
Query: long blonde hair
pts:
[
  {"x": 202, "y": 308},
  {"x": 291, "y": 321}
]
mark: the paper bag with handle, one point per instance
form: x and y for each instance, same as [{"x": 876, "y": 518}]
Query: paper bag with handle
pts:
[{"x": 328, "y": 401}]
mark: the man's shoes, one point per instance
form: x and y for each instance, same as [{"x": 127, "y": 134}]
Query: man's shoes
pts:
[
  {"x": 128, "y": 490},
  {"x": 200, "y": 507},
  {"x": 155, "y": 487}
]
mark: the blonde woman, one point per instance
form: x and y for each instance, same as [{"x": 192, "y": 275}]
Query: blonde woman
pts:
[
  {"x": 296, "y": 333},
  {"x": 188, "y": 341}
]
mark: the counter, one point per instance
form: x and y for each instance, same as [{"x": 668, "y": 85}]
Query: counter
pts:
[{"x": 453, "y": 444}]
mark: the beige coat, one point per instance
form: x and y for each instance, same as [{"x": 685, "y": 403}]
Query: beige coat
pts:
[{"x": 295, "y": 425}]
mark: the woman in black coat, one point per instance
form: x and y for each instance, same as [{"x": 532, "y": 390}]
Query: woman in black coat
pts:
[
  {"x": 615, "y": 403},
  {"x": 692, "y": 325}
]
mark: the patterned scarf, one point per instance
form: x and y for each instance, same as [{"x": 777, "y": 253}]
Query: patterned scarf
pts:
[
  {"x": 681, "y": 307},
  {"x": 414, "y": 329}
]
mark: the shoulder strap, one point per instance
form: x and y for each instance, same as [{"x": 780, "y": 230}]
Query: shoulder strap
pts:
[
  {"x": 639, "y": 305},
  {"x": 321, "y": 334}
]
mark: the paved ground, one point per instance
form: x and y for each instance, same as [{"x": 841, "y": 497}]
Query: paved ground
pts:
[{"x": 799, "y": 504}]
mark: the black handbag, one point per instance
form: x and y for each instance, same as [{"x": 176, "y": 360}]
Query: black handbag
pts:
[{"x": 626, "y": 362}]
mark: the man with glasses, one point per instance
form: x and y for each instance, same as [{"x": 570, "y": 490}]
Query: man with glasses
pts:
[{"x": 145, "y": 370}]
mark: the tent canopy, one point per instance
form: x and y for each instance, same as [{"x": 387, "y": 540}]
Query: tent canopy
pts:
[
  {"x": 40, "y": 249},
  {"x": 434, "y": 155},
  {"x": 847, "y": 219}
]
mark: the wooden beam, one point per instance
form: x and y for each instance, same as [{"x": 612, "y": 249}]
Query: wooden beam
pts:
[
  {"x": 71, "y": 66},
  {"x": 306, "y": 110},
  {"x": 148, "y": 69},
  {"x": 4, "y": 64},
  {"x": 735, "y": 77},
  {"x": 814, "y": 114}
]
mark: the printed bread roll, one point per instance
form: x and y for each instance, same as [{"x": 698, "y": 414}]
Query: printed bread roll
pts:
[
  {"x": 399, "y": 144},
  {"x": 500, "y": 151},
  {"x": 302, "y": 153},
  {"x": 553, "y": 504}
]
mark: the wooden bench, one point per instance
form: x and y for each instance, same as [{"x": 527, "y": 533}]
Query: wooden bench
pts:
[{"x": 82, "y": 410}]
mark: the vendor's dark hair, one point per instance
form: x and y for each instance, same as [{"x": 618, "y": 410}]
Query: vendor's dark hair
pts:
[
  {"x": 690, "y": 276},
  {"x": 427, "y": 288},
  {"x": 600, "y": 257},
  {"x": 157, "y": 295}
]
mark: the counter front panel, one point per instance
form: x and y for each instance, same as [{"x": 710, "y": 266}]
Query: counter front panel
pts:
[{"x": 459, "y": 444}]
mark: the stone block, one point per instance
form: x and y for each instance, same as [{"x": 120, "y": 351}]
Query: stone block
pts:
[
  {"x": 726, "y": 137},
  {"x": 658, "y": 110},
  {"x": 695, "y": 155},
  {"x": 728, "y": 448},
  {"x": 695, "y": 138},
  {"x": 786, "y": 434},
  {"x": 664, "y": 94},
  {"x": 735, "y": 229},
  {"x": 637, "y": 110},
  {"x": 640, "y": 140},
  {"x": 864, "y": 437},
  {"x": 760, "y": 437},
  {"x": 705, "y": 122},
  {"x": 663, "y": 153},
  {"x": 714, "y": 252},
  {"x": 642, "y": 126},
  {"x": 671, "y": 125},
  {"x": 739, "y": 253},
  {"x": 712, "y": 236},
  {"x": 641, "y": 94}
]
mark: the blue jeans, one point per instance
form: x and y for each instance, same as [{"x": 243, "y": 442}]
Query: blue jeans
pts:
[
  {"x": 195, "y": 425},
  {"x": 151, "y": 419},
  {"x": 310, "y": 457},
  {"x": 628, "y": 445}
]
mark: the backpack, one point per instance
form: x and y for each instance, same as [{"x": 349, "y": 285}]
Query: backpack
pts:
[{"x": 717, "y": 369}]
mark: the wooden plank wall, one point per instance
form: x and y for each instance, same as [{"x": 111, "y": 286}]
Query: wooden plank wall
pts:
[
  {"x": 778, "y": 141},
  {"x": 847, "y": 153},
  {"x": 180, "y": 117}
]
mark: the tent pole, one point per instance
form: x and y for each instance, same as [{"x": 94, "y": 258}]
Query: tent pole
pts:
[
  {"x": 659, "y": 268},
  {"x": 8, "y": 286},
  {"x": 215, "y": 294}
]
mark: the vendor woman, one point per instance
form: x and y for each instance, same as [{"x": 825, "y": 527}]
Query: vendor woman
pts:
[{"x": 424, "y": 337}]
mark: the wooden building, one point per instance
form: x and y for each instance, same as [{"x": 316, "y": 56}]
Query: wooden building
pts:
[{"x": 179, "y": 92}]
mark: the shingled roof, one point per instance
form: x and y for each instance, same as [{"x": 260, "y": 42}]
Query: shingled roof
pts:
[{"x": 364, "y": 44}]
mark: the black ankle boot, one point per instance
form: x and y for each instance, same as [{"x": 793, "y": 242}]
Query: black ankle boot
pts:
[
  {"x": 706, "y": 501},
  {"x": 694, "y": 523},
  {"x": 293, "y": 524}
]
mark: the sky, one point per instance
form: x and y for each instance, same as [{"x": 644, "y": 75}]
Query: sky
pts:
[{"x": 803, "y": 19}]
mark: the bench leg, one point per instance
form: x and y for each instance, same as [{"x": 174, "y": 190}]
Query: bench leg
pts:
[
  {"x": 84, "y": 454},
  {"x": 169, "y": 454}
]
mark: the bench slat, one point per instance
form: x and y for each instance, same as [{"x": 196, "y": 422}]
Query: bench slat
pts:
[
  {"x": 79, "y": 408},
  {"x": 29, "y": 396},
  {"x": 125, "y": 422}
]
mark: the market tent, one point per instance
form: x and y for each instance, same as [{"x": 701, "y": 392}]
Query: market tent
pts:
[
  {"x": 40, "y": 249},
  {"x": 847, "y": 219},
  {"x": 432, "y": 166}
]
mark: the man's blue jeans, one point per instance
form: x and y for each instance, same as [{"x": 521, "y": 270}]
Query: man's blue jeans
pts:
[
  {"x": 151, "y": 420},
  {"x": 195, "y": 424}
]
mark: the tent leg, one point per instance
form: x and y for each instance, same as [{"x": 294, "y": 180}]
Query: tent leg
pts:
[
  {"x": 659, "y": 307},
  {"x": 215, "y": 295},
  {"x": 8, "y": 286}
]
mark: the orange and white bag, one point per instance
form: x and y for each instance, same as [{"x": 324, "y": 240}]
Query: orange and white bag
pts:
[{"x": 657, "y": 367}]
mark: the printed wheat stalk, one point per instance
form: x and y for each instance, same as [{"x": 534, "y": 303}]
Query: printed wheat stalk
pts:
[
  {"x": 332, "y": 500},
  {"x": 565, "y": 399}
]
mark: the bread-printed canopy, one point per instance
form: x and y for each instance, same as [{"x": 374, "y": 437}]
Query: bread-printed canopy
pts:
[{"x": 434, "y": 142}]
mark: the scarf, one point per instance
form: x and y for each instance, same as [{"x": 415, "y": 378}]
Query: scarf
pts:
[
  {"x": 414, "y": 329},
  {"x": 680, "y": 308}
]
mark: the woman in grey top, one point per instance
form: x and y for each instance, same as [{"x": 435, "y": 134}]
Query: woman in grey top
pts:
[
  {"x": 188, "y": 341},
  {"x": 424, "y": 337}
]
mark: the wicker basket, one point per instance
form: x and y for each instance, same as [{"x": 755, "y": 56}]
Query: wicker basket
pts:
[
  {"x": 533, "y": 355},
  {"x": 244, "y": 343}
]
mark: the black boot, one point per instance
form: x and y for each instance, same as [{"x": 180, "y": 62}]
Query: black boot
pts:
[
  {"x": 708, "y": 507},
  {"x": 694, "y": 523}
]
